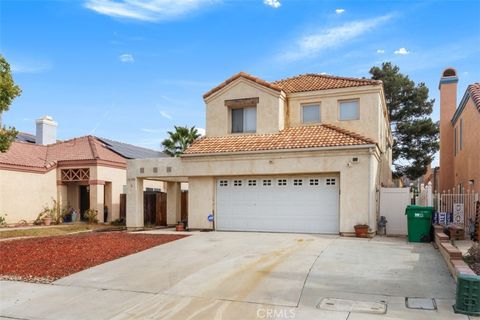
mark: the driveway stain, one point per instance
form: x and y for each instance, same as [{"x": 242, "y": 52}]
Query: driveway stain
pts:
[{"x": 238, "y": 285}]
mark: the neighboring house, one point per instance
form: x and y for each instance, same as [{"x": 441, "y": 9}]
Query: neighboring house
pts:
[
  {"x": 303, "y": 154},
  {"x": 459, "y": 136},
  {"x": 81, "y": 173}
]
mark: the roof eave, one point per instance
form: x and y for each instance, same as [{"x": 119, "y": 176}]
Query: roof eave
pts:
[{"x": 332, "y": 148}]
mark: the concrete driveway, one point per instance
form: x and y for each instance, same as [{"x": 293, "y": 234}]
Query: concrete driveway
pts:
[{"x": 220, "y": 275}]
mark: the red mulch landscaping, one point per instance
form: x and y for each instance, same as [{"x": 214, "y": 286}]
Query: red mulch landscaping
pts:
[{"x": 50, "y": 258}]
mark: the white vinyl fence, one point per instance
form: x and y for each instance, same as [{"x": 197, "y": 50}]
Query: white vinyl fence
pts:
[{"x": 393, "y": 202}]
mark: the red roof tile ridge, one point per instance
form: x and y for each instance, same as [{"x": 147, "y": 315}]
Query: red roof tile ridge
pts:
[
  {"x": 93, "y": 147},
  {"x": 327, "y": 76},
  {"x": 348, "y": 132},
  {"x": 474, "y": 90},
  {"x": 245, "y": 75}
]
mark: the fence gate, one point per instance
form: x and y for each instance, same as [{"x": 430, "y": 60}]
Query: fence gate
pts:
[
  {"x": 155, "y": 208},
  {"x": 393, "y": 202}
]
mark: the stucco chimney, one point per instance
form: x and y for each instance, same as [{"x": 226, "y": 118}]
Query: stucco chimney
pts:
[
  {"x": 448, "y": 104},
  {"x": 46, "y": 130}
]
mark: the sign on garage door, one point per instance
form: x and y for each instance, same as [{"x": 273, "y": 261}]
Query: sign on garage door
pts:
[{"x": 305, "y": 204}]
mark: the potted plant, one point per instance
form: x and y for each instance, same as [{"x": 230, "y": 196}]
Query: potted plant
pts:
[
  {"x": 180, "y": 226},
  {"x": 91, "y": 216},
  {"x": 361, "y": 230},
  {"x": 44, "y": 217}
]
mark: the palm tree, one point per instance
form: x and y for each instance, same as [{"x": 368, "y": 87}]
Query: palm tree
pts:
[{"x": 179, "y": 140}]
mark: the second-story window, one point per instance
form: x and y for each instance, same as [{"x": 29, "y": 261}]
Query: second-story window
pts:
[
  {"x": 349, "y": 110},
  {"x": 244, "y": 120},
  {"x": 311, "y": 113}
]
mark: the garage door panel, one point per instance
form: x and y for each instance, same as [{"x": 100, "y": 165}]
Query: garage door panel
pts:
[{"x": 297, "y": 206}]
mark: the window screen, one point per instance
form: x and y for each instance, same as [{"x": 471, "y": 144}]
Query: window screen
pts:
[
  {"x": 349, "y": 110},
  {"x": 311, "y": 113},
  {"x": 249, "y": 119},
  {"x": 237, "y": 120},
  {"x": 244, "y": 120}
]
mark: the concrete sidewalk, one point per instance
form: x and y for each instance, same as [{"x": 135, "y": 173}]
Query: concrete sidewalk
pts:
[{"x": 219, "y": 275}]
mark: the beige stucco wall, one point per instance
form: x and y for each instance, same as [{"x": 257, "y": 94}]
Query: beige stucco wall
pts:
[
  {"x": 23, "y": 194},
  {"x": 201, "y": 195},
  {"x": 467, "y": 161},
  {"x": 358, "y": 182},
  {"x": 371, "y": 124},
  {"x": 270, "y": 108},
  {"x": 118, "y": 178}
]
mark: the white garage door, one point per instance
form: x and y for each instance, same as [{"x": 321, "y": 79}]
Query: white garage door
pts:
[{"x": 294, "y": 204}]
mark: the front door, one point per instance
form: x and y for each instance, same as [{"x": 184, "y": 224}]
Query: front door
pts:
[{"x": 84, "y": 200}]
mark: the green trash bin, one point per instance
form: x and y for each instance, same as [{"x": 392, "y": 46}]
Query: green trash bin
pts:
[
  {"x": 468, "y": 295},
  {"x": 419, "y": 223}
]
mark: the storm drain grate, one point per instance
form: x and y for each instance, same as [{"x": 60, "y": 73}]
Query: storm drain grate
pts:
[
  {"x": 421, "y": 303},
  {"x": 332, "y": 304}
]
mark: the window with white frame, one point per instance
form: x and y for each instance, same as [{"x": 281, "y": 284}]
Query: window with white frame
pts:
[
  {"x": 282, "y": 182},
  {"x": 311, "y": 113},
  {"x": 314, "y": 182},
  {"x": 237, "y": 183},
  {"x": 252, "y": 183},
  {"x": 267, "y": 182},
  {"x": 349, "y": 110},
  {"x": 244, "y": 120},
  {"x": 223, "y": 183}
]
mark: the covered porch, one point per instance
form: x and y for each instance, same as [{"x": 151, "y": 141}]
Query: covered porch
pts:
[
  {"x": 76, "y": 190},
  {"x": 137, "y": 199}
]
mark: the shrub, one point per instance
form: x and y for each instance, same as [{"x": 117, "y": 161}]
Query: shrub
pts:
[
  {"x": 91, "y": 215},
  {"x": 3, "y": 219},
  {"x": 56, "y": 212},
  {"x": 118, "y": 222},
  {"x": 473, "y": 254}
]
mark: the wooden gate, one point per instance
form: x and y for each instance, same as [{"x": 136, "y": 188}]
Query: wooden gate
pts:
[
  {"x": 155, "y": 208},
  {"x": 123, "y": 206},
  {"x": 184, "y": 207}
]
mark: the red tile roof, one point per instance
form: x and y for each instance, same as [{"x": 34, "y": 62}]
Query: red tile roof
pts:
[
  {"x": 303, "y": 137},
  {"x": 300, "y": 83},
  {"x": 30, "y": 155},
  {"x": 314, "y": 82},
  {"x": 474, "y": 90}
]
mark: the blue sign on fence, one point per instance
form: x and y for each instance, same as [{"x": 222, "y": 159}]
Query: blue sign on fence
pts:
[{"x": 210, "y": 217}]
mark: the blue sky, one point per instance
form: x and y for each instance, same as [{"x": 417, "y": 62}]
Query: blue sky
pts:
[{"x": 130, "y": 70}]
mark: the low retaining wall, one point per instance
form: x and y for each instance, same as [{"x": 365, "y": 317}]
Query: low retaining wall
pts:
[{"x": 452, "y": 256}]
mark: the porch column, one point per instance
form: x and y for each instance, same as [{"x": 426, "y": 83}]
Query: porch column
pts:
[
  {"x": 134, "y": 203},
  {"x": 62, "y": 194},
  {"x": 174, "y": 202},
  {"x": 97, "y": 192}
]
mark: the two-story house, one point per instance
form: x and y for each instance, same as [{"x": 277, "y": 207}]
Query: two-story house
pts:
[
  {"x": 303, "y": 154},
  {"x": 459, "y": 136}
]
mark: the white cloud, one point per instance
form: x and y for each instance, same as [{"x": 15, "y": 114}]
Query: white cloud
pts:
[
  {"x": 126, "y": 58},
  {"x": 272, "y": 3},
  {"x": 401, "y": 51},
  {"x": 339, "y": 11},
  {"x": 312, "y": 44},
  {"x": 165, "y": 115},
  {"x": 150, "y": 130},
  {"x": 380, "y": 51},
  {"x": 201, "y": 131},
  {"x": 30, "y": 66},
  {"x": 146, "y": 10}
]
